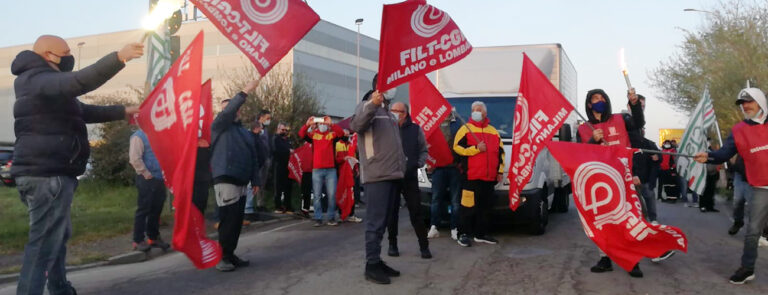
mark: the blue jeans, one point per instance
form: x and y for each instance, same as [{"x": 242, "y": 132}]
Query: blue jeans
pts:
[
  {"x": 683, "y": 184},
  {"x": 48, "y": 200},
  {"x": 742, "y": 194},
  {"x": 649, "y": 201},
  {"x": 249, "y": 200},
  {"x": 324, "y": 177},
  {"x": 758, "y": 216},
  {"x": 446, "y": 184}
]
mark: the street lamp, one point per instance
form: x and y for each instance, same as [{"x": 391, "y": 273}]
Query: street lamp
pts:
[
  {"x": 79, "y": 49},
  {"x": 697, "y": 10},
  {"x": 358, "y": 22}
]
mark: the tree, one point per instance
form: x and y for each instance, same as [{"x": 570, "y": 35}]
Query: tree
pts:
[
  {"x": 730, "y": 48},
  {"x": 290, "y": 97},
  {"x": 109, "y": 155}
]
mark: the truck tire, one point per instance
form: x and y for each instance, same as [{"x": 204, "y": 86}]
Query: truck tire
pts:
[
  {"x": 561, "y": 200},
  {"x": 538, "y": 225}
]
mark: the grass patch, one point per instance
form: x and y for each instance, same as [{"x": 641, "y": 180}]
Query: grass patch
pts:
[{"x": 99, "y": 211}]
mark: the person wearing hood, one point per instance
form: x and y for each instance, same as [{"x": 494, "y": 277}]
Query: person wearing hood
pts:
[
  {"x": 749, "y": 139},
  {"x": 482, "y": 153},
  {"x": 382, "y": 167},
  {"x": 52, "y": 148},
  {"x": 415, "y": 148},
  {"x": 606, "y": 128}
]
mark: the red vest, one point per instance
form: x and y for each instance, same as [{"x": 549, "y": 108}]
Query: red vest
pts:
[
  {"x": 752, "y": 144},
  {"x": 614, "y": 132},
  {"x": 665, "y": 159}
]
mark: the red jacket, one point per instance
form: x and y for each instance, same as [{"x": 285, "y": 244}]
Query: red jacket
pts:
[
  {"x": 480, "y": 165},
  {"x": 323, "y": 145}
]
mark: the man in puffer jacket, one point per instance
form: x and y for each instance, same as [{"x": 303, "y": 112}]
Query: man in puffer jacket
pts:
[{"x": 52, "y": 148}]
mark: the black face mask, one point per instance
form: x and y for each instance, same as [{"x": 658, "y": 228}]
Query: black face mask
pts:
[{"x": 67, "y": 63}]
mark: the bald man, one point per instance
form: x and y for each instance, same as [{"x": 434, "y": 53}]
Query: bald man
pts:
[{"x": 52, "y": 148}]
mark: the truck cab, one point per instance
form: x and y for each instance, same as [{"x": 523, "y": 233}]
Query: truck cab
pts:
[{"x": 492, "y": 75}]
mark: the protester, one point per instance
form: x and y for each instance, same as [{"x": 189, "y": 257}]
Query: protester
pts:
[
  {"x": 415, "y": 148},
  {"x": 382, "y": 166},
  {"x": 481, "y": 150},
  {"x": 306, "y": 183},
  {"x": 611, "y": 129},
  {"x": 748, "y": 139},
  {"x": 446, "y": 184},
  {"x": 281, "y": 155},
  {"x": 668, "y": 174},
  {"x": 151, "y": 187},
  {"x": 52, "y": 148},
  {"x": 323, "y": 136},
  {"x": 742, "y": 194},
  {"x": 261, "y": 149},
  {"x": 235, "y": 163},
  {"x": 346, "y": 152}
]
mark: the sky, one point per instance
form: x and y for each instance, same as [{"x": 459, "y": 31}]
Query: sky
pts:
[{"x": 591, "y": 31}]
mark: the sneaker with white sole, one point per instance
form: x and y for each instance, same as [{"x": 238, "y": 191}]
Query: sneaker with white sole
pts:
[
  {"x": 455, "y": 234},
  {"x": 354, "y": 219},
  {"x": 433, "y": 233},
  {"x": 742, "y": 276},
  {"x": 664, "y": 256},
  {"x": 763, "y": 242},
  {"x": 486, "y": 239}
]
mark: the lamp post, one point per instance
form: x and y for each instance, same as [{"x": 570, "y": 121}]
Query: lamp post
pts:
[
  {"x": 79, "y": 49},
  {"x": 697, "y": 10},
  {"x": 358, "y": 22}
]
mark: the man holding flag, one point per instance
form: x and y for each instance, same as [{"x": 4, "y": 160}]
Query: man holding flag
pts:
[{"x": 749, "y": 139}]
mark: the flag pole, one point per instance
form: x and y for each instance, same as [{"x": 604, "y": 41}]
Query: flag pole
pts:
[
  {"x": 665, "y": 153},
  {"x": 465, "y": 123}
]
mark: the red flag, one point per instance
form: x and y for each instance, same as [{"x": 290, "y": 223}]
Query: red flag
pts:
[
  {"x": 540, "y": 110},
  {"x": 345, "y": 195},
  {"x": 428, "y": 107},
  {"x": 166, "y": 116},
  {"x": 439, "y": 154},
  {"x": 264, "y": 30},
  {"x": 206, "y": 111},
  {"x": 608, "y": 204},
  {"x": 416, "y": 38},
  {"x": 297, "y": 164}
]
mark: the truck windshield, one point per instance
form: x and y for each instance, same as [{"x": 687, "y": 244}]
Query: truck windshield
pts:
[{"x": 501, "y": 111}]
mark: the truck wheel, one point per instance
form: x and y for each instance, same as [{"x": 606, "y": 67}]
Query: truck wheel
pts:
[
  {"x": 539, "y": 224},
  {"x": 561, "y": 200}
]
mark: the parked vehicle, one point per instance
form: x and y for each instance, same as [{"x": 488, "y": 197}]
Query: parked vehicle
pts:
[{"x": 492, "y": 75}]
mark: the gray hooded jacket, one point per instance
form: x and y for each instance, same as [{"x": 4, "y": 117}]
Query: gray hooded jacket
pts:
[{"x": 379, "y": 143}]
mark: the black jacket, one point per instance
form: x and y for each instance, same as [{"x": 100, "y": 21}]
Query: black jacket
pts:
[
  {"x": 51, "y": 138},
  {"x": 414, "y": 147},
  {"x": 235, "y": 157},
  {"x": 282, "y": 150}
]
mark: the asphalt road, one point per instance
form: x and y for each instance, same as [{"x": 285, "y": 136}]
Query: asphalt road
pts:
[{"x": 295, "y": 258}]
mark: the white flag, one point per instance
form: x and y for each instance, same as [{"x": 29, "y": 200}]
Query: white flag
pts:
[{"x": 694, "y": 141}]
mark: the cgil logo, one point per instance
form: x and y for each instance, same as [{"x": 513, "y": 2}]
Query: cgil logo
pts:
[
  {"x": 521, "y": 117},
  {"x": 255, "y": 13},
  {"x": 595, "y": 184},
  {"x": 437, "y": 19}
]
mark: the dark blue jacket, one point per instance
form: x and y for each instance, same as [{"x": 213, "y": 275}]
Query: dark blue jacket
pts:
[
  {"x": 414, "y": 147},
  {"x": 51, "y": 138},
  {"x": 235, "y": 157}
]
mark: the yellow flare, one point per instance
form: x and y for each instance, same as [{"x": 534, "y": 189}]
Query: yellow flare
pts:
[{"x": 164, "y": 9}]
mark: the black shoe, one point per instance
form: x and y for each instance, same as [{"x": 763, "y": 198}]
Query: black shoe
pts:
[
  {"x": 664, "y": 256},
  {"x": 388, "y": 270},
  {"x": 318, "y": 223},
  {"x": 742, "y": 276},
  {"x": 713, "y": 210},
  {"x": 237, "y": 262},
  {"x": 603, "y": 265},
  {"x": 142, "y": 246},
  {"x": 486, "y": 239},
  {"x": 393, "y": 251},
  {"x": 159, "y": 243},
  {"x": 374, "y": 273},
  {"x": 636, "y": 272},
  {"x": 735, "y": 228},
  {"x": 464, "y": 241},
  {"x": 425, "y": 254}
]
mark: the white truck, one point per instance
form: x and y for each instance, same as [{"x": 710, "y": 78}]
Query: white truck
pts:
[{"x": 492, "y": 75}]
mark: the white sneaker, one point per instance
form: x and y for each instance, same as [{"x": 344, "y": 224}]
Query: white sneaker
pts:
[
  {"x": 763, "y": 242},
  {"x": 433, "y": 233},
  {"x": 455, "y": 234},
  {"x": 354, "y": 219},
  {"x": 654, "y": 222}
]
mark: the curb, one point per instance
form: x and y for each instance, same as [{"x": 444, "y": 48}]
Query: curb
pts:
[{"x": 9, "y": 278}]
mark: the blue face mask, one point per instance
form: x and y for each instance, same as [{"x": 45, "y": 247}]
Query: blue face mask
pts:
[{"x": 599, "y": 106}]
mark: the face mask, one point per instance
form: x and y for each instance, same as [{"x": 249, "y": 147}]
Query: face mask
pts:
[
  {"x": 666, "y": 146},
  {"x": 67, "y": 63},
  {"x": 599, "y": 106},
  {"x": 390, "y": 94},
  {"x": 395, "y": 115},
  {"x": 477, "y": 116},
  {"x": 322, "y": 128},
  {"x": 266, "y": 123}
]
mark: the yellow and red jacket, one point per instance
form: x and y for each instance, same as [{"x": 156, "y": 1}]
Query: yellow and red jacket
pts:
[
  {"x": 323, "y": 145},
  {"x": 480, "y": 165}
]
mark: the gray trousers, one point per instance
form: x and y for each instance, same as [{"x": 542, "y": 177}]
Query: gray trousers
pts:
[
  {"x": 381, "y": 197},
  {"x": 758, "y": 216}
]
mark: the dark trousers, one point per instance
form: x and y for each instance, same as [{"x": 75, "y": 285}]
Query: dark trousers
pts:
[
  {"x": 282, "y": 186},
  {"x": 306, "y": 190},
  {"x": 474, "y": 218},
  {"x": 410, "y": 191},
  {"x": 149, "y": 207},
  {"x": 200, "y": 194},
  {"x": 203, "y": 179},
  {"x": 707, "y": 199},
  {"x": 382, "y": 196},
  {"x": 231, "y": 217}
]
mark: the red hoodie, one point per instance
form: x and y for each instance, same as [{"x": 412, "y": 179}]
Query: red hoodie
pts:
[{"x": 323, "y": 145}]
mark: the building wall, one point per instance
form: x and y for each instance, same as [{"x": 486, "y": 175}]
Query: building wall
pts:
[{"x": 326, "y": 58}]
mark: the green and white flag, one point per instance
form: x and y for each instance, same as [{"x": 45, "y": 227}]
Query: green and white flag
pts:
[
  {"x": 159, "y": 57},
  {"x": 694, "y": 141}
]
